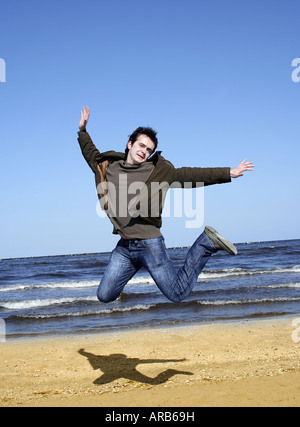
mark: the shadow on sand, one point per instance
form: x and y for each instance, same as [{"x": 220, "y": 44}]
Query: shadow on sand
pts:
[{"x": 117, "y": 366}]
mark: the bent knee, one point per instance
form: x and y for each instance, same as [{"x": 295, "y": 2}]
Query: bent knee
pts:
[
  {"x": 175, "y": 298},
  {"x": 105, "y": 297}
]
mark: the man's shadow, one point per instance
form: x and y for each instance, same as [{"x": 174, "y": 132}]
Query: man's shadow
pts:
[{"x": 117, "y": 366}]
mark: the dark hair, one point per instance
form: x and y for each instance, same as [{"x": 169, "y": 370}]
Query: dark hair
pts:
[{"x": 143, "y": 131}]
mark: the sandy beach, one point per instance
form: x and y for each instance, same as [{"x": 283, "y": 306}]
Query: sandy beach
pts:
[{"x": 249, "y": 363}]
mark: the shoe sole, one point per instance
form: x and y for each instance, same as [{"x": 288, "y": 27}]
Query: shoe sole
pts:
[{"x": 224, "y": 243}]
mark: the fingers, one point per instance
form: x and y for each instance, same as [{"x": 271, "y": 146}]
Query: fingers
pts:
[
  {"x": 85, "y": 112},
  {"x": 247, "y": 166},
  {"x": 246, "y": 163}
]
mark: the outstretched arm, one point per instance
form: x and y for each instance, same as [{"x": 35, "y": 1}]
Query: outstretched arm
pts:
[
  {"x": 243, "y": 167},
  {"x": 89, "y": 151},
  {"x": 159, "y": 360}
]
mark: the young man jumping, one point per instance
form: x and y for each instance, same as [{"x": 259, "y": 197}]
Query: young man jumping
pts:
[{"x": 136, "y": 215}]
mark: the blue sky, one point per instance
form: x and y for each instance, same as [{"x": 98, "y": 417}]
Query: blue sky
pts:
[{"x": 212, "y": 77}]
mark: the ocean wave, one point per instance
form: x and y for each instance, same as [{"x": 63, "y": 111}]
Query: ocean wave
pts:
[
  {"x": 14, "y": 288},
  {"x": 205, "y": 275},
  {"x": 24, "y": 305},
  {"x": 217, "y": 274},
  {"x": 71, "y": 284},
  {"x": 247, "y": 301},
  {"x": 285, "y": 285},
  {"x": 141, "y": 279},
  {"x": 140, "y": 307},
  {"x": 63, "y": 285}
]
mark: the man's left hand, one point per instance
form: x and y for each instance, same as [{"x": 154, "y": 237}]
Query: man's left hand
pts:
[{"x": 239, "y": 170}]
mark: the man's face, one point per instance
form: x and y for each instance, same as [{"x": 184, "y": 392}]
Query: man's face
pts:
[{"x": 140, "y": 150}]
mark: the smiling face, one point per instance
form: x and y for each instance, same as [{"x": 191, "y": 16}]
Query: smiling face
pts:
[{"x": 140, "y": 150}]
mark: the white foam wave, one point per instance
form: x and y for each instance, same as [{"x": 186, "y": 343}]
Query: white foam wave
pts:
[
  {"x": 14, "y": 288},
  {"x": 285, "y": 285},
  {"x": 217, "y": 274},
  {"x": 89, "y": 312},
  {"x": 141, "y": 279},
  {"x": 63, "y": 285},
  {"x": 246, "y": 301},
  {"x": 82, "y": 284},
  {"x": 71, "y": 284},
  {"x": 23, "y": 305},
  {"x": 206, "y": 275}
]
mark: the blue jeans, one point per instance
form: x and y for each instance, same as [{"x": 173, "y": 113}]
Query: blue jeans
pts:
[{"x": 130, "y": 255}]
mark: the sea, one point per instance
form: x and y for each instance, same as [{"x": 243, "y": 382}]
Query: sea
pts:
[{"x": 56, "y": 295}]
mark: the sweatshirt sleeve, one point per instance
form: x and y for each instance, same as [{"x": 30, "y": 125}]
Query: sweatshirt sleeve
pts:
[
  {"x": 90, "y": 152},
  {"x": 200, "y": 176}
]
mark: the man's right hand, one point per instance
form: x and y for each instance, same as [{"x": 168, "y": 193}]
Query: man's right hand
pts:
[{"x": 85, "y": 114}]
